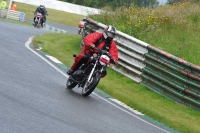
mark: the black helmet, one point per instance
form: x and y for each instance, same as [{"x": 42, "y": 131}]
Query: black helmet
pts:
[{"x": 109, "y": 32}]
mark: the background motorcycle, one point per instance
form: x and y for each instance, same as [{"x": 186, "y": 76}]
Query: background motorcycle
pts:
[
  {"x": 88, "y": 75},
  {"x": 38, "y": 22}
]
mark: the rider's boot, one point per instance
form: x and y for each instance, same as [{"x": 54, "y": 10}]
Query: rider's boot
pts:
[{"x": 69, "y": 72}]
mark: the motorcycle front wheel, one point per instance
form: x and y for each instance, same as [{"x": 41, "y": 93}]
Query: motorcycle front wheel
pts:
[
  {"x": 91, "y": 85},
  {"x": 36, "y": 23},
  {"x": 70, "y": 84}
]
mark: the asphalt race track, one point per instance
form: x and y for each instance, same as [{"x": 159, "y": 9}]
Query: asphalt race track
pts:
[{"x": 33, "y": 97}]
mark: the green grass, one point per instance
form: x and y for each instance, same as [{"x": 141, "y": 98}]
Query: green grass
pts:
[
  {"x": 15, "y": 22},
  {"x": 181, "y": 118}
]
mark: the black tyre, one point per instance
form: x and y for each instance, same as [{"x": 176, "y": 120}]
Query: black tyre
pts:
[
  {"x": 70, "y": 84},
  {"x": 36, "y": 23},
  {"x": 91, "y": 85}
]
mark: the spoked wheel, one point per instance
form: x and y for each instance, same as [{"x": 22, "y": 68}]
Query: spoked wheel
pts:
[
  {"x": 70, "y": 84},
  {"x": 38, "y": 24},
  {"x": 91, "y": 84}
]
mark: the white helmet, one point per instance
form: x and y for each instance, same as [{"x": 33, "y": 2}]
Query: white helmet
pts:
[
  {"x": 109, "y": 32},
  {"x": 42, "y": 6}
]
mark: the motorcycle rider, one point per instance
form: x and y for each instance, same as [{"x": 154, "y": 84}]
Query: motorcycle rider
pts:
[
  {"x": 100, "y": 40},
  {"x": 41, "y": 9},
  {"x": 81, "y": 24},
  {"x": 13, "y": 6}
]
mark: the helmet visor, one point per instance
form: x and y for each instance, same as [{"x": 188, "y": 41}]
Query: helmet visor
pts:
[{"x": 110, "y": 34}]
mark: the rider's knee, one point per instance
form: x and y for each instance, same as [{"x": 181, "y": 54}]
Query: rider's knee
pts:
[{"x": 103, "y": 74}]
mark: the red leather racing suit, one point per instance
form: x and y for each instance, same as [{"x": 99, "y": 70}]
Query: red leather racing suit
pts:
[{"x": 87, "y": 52}]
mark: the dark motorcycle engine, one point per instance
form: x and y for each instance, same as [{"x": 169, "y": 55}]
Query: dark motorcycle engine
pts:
[{"x": 78, "y": 75}]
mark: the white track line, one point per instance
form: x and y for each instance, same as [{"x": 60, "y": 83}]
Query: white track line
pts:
[{"x": 27, "y": 46}]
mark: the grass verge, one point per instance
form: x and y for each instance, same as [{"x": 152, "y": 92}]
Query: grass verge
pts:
[
  {"x": 137, "y": 96},
  {"x": 15, "y": 21}
]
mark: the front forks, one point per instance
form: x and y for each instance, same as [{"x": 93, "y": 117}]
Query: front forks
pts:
[{"x": 88, "y": 81}]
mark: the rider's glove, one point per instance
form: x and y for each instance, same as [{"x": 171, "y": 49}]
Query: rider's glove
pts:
[
  {"x": 113, "y": 61},
  {"x": 92, "y": 46},
  {"x": 94, "y": 54},
  {"x": 103, "y": 52}
]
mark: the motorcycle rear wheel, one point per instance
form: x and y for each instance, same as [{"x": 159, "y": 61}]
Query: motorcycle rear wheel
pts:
[
  {"x": 70, "y": 84},
  {"x": 89, "y": 87}
]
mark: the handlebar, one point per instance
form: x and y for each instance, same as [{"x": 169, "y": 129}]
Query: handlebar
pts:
[{"x": 101, "y": 51}]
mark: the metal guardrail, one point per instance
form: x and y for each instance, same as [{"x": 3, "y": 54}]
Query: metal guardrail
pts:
[
  {"x": 158, "y": 70},
  {"x": 172, "y": 77}
]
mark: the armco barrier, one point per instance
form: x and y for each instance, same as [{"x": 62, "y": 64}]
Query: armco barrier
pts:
[
  {"x": 172, "y": 77},
  {"x": 160, "y": 71}
]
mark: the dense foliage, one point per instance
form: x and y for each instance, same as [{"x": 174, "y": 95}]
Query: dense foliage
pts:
[{"x": 114, "y": 3}]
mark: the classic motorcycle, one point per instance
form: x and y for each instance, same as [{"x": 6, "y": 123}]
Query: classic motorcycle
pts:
[
  {"x": 88, "y": 75},
  {"x": 38, "y": 20}
]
